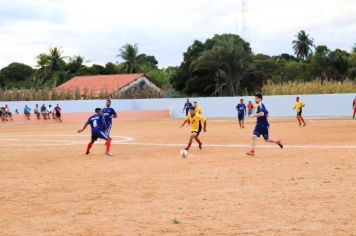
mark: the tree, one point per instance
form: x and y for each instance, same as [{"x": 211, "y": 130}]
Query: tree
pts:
[
  {"x": 49, "y": 63},
  {"x": 130, "y": 54},
  {"x": 303, "y": 45},
  {"x": 75, "y": 63},
  {"x": 229, "y": 60},
  {"x": 16, "y": 75}
]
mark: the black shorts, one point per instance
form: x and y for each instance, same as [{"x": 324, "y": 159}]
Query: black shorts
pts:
[
  {"x": 241, "y": 117},
  {"x": 58, "y": 114},
  {"x": 101, "y": 135},
  {"x": 299, "y": 113}
]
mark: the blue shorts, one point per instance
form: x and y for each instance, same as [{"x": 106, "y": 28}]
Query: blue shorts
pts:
[
  {"x": 261, "y": 130},
  {"x": 96, "y": 135},
  {"x": 241, "y": 117}
]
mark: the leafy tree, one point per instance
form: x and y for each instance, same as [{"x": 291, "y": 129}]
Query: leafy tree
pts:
[
  {"x": 74, "y": 64},
  {"x": 228, "y": 59},
  {"x": 303, "y": 45}
]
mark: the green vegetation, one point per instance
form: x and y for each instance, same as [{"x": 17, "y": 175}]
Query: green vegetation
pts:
[{"x": 223, "y": 65}]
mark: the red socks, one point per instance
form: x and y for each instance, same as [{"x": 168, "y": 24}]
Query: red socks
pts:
[
  {"x": 89, "y": 146},
  {"x": 108, "y": 144},
  {"x": 301, "y": 118}
]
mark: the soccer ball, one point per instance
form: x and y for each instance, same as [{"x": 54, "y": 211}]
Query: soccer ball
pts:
[{"x": 184, "y": 153}]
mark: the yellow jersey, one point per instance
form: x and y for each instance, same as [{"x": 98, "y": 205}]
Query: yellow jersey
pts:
[
  {"x": 195, "y": 122},
  {"x": 198, "y": 110},
  {"x": 298, "y": 106}
]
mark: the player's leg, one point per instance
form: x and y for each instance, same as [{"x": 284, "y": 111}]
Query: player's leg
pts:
[
  {"x": 242, "y": 122},
  {"x": 299, "y": 121},
  {"x": 196, "y": 137},
  {"x": 353, "y": 117},
  {"x": 90, "y": 144},
  {"x": 269, "y": 139},
  {"x": 104, "y": 136},
  {"x": 253, "y": 145},
  {"x": 190, "y": 141}
]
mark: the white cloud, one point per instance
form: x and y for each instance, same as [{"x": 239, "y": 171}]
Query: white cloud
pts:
[{"x": 163, "y": 28}]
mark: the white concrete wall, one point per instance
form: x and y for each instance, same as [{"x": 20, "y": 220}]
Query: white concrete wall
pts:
[{"x": 278, "y": 106}]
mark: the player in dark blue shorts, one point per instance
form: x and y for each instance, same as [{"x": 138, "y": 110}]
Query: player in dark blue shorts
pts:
[
  {"x": 98, "y": 127},
  {"x": 108, "y": 114},
  {"x": 262, "y": 125},
  {"x": 241, "y": 112}
]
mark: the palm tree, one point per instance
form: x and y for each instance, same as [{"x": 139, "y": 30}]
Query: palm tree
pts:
[
  {"x": 51, "y": 61},
  {"x": 48, "y": 64},
  {"x": 130, "y": 54},
  {"x": 303, "y": 45}
]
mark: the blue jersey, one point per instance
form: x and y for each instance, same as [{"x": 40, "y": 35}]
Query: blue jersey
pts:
[
  {"x": 96, "y": 123},
  {"x": 107, "y": 113},
  {"x": 187, "y": 105},
  {"x": 263, "y": 119},
  {"x": 241, "y": 109}
]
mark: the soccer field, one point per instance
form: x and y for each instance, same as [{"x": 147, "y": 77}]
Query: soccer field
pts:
[{"x": 50, "y": 187}]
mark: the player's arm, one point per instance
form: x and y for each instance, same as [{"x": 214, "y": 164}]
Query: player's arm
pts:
[
  {"x": 114, "y": 115},
  {"x": 84, "y": 127},
  {"x": 185, "y": 121},
  {"x": 259, "y": 114},
  {"x": 104, "y": 123},
  {"x": 204, "y": 125}
]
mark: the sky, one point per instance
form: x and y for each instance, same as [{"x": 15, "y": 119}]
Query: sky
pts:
[{"x": 166, "y": 28}]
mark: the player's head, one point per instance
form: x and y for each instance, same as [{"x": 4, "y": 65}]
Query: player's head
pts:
[
  {"x": 241, "y": 101},
  {"x": 249, "y": 102},
  {"x": 195, "y": 103},
  {"x": 108, "y": 103},
  {"x": 258, "y": 98},
  {"x": 192, "y": 111},
  {"x": 98, "y": 110},
  {"x": 187, "y": 99},
  {"x": 297, "y": 99},
  {"x": 50, "y": 106}
]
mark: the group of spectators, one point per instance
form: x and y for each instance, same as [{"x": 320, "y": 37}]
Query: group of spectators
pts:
[
  {"x": 42, "y": 112},
  {"x": 5, "y": 113},
  {"x": 46, "y": 113}
]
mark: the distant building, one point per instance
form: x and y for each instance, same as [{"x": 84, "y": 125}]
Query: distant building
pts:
[{"x": 118, "y": 83}]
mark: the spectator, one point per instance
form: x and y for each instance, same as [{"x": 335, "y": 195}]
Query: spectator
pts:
[
  {"x": 17, "y": 112},
  {"x": 58, "y": 111},
  {"x": 44, "y": 111},
  {"x": 249, "y": 108},
  {"x": 50, "y": 112},
  {"x": 27, "y": 112},
  {"x": 37, "y": 112},
  {"x": 3, "y": 114},
  {"x": 7, "y": 111}
]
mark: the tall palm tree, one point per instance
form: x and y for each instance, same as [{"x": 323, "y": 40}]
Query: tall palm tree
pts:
[
  {"x": 51, "y": 61},
  {"x": 130, "y": 54},
  {"x": 303, "y": 45}
]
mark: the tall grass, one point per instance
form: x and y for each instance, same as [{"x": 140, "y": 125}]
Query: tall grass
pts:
[
  {"x": 53, "y": 94},
  {"x": 312, "y": 87}
]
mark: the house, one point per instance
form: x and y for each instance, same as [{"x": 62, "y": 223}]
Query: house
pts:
[{"x": 117, "y": 83}]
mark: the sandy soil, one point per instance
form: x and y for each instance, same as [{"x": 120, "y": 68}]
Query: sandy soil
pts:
[{"x": 50, "y": 187}]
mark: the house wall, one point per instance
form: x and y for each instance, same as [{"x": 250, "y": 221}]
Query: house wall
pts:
[{"x": 138, "y": 81}]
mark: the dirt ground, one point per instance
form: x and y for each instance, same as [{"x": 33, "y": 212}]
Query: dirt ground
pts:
[{"x": 48, "y": 186}]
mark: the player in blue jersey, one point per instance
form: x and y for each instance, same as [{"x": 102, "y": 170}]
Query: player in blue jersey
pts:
[
  {"x": 186, "y": 107},
  {"x": 241, "y": 112},
  {"x": 98, "y": 127},
  {"x": 262, "y": 125},
  {"x": 108, "y": 114}
]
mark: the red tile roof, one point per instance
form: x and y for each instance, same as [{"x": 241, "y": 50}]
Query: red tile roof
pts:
[{"x": 97, "y": 83}]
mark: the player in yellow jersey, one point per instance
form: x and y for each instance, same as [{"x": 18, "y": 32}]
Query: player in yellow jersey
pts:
[
  {"x": 197, "y": 108},
  {"x": 298, "y": 106},
  {"x": 195, "y": 121}
]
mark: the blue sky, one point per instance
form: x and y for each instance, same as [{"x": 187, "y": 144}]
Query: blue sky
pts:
[{"x": 165, "y": 28}]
